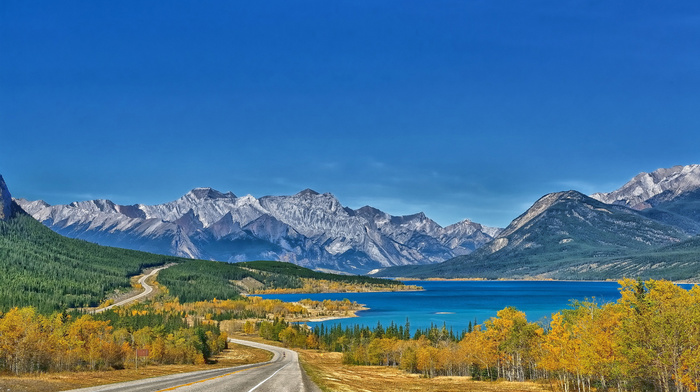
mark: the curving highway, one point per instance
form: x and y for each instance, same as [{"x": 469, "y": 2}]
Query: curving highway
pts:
[
  {"x": 282, "y": 373},
  {"x": 147, "y": 289}
]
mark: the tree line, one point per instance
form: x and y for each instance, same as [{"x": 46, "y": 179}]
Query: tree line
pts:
[
  {"x": 203, "y": 280},
  {"x": 290, "y": 269},
  {"x": 648, "y": 340},
  {"x": 50, "y": 272},
  {"x": 43, "y": 269},
  {"x": 32, "y": 342},
  {"x": 171, "y": 331}
]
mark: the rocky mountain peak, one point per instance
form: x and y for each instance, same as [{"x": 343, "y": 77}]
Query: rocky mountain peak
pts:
[
  {"x": 308, "y": 228},
  {"x": 5, "y": 200},
  {"x": 572, "y": 222},
  {"x": 209, "y": 193},
  {"x": 369, "y": 212},
  {"x": 414, "y": 218},
  {"x": 540, "y": 206},
  {"x": 465, "y": 226},
  {"x": 669, "y": 182},
  {"x": 247, "y": 199},
  {"x": 308, "y": 193},
  {"x": 468, "y": 227}
]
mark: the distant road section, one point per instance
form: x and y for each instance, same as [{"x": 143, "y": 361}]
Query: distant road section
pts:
[
  {"x": 146, "y": 290},
  {"x": 282, "y": 373}
]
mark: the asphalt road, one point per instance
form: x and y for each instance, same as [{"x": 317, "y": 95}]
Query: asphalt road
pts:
[
  {"x": 147, "y": 289},
  {"x": 282, "y": 373}
]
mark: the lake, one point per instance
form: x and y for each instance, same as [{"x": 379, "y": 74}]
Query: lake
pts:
[{"x": 456, "y": 303}]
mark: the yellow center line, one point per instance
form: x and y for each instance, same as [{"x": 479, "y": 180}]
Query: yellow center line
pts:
[{"x": 212, "y": 378}]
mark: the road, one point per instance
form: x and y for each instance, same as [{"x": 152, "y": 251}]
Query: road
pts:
[
  {"x": 146, "y": 290},
  {"x": 282, "y": 373}
]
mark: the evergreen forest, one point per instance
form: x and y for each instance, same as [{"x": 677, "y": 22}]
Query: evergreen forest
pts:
[{"x": 49, "y": 272}]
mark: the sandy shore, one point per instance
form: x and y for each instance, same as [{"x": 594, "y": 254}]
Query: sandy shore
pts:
[
  {"x": 303, "y": 291},
  {"x": 351, "y": 314}
]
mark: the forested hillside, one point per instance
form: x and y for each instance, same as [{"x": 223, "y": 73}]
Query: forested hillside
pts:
[
  {"x": 203, "y": 280},
  {"x": 301, "y": 272},
  {"x": 45, "y": 270},
  {"x": 50, "y": 272}
]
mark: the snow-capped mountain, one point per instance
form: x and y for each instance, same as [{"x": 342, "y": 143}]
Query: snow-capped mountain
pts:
[
  {"x": 670, "y": 196},
  {"x": 659, "y": 185},
  {"x": 565, "y": 235},
  {"x": 648, "y": 227},
  {"x": 309, "y": 229}
]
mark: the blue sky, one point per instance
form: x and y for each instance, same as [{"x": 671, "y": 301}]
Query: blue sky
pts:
[{"x": 461, "y": 109}]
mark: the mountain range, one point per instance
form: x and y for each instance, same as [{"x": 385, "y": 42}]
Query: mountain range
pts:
[
  {"x": 668, "y": 195},
  {"x": 646, "y": 228},
  {"x": 309, "y": 229},
  {"x": 51, "y": 272}
]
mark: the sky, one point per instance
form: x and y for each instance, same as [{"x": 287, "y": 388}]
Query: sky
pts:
[{"x": 460, "y": 109}]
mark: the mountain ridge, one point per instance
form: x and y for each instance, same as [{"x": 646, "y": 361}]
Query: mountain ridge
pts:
[
  {"x": 563, "y": 235},
  {"x": 309, "y": 228},
  {"x": 661, "y": 184},
  {"x": 668, "y": 195},
  {"x": 51, "y": 272}
]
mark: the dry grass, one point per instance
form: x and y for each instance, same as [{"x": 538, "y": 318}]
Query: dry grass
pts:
[
  {"x": 331, "y": 375},
  {"x": 328, "y": 372},
  {"x": 50, "y": 382}
]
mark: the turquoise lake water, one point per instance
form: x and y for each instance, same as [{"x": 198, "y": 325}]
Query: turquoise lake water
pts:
[{"x": 456, "y": 303}]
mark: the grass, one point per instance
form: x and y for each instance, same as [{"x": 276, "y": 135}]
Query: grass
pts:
[
  {"x": 51, "y": 382},
  {"x": 330, "y": 374}
]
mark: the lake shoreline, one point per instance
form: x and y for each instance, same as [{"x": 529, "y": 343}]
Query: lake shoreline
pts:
[
  {"x": 525, "y": 280},
  {"x": 457, "y": 304},
  {"x": 352, "y": 314},
  {"x": 498, "y": 280}
]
